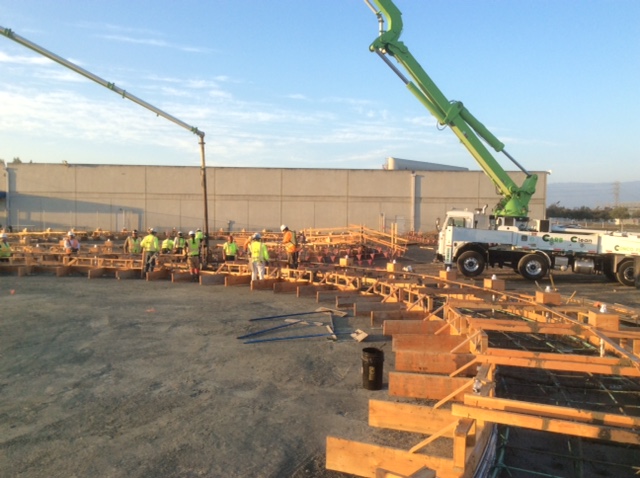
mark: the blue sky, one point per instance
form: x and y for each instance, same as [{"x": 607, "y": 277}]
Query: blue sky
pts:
[{"x": 291, "y": 83}]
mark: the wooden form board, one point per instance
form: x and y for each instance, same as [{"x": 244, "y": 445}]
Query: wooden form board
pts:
[
  {"x": 427, "y": 342},
  {"x": 553, "y": 425},
  {"x": 409, "y": 417},
  {"x": 365, "y": 308},
  {"x": 415, "y": 327},
  {"x": 426, "y": 386},
  {"x": 378, "y": 317},
  {"x": 439, "y": 363},
  {"x": 351, "y": 300},
  {"x": 362, "y": 459}
]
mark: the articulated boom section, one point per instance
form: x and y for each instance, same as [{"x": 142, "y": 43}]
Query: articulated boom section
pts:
[{"x": 515, "y": 200}]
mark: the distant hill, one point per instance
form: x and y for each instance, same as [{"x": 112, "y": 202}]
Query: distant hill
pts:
[{"x": 593, "y": 195}]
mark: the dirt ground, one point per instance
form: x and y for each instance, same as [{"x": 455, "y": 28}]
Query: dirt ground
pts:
[{"x": 130, "y": 378}]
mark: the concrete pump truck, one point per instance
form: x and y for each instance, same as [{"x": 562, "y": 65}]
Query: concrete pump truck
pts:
[{"x": 507, "y": 237}]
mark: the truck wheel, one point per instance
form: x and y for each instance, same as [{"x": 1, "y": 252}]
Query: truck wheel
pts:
[
  {"x": 625, "y": 273},
  {"x": 533, "y": 267},
  {"x": 471, "y": 263}
]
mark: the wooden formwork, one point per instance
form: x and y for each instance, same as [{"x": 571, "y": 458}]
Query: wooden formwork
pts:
[{"x": 447, "y": 359}]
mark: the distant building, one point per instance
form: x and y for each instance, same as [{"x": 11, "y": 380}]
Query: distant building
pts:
[{"x": 410, "y": 165}]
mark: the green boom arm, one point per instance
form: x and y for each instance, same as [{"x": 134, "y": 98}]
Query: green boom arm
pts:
[{"x": 515, "y": 200}]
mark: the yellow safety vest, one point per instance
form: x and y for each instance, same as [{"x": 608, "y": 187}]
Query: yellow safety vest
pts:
[
  {"x": 230, "y": 248},
  {"x": 194, "y": 247},
  {"x": 5, "y": 249},
  {"x": 259, "y": 252}
]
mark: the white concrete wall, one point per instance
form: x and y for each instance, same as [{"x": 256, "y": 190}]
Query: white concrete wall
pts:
[{"x": 112, "y": 197}]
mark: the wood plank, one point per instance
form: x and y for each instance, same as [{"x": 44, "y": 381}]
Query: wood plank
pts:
[
  {"x": 231, "y": 280},
  {"x": 409, "y": 417},
  {"x": 398, "y": 327},
  {"x": 330, "y": 295},
  {"x": 569, "y": 363},
  {"x": 427, "y": 386},
  {"x": 362, "y": 459},
  {"x": 158, "y": 275},
  {"x": 553, "y": 411},
  {"x": 211, "y": 278},
  {"x": 441, "y": 363},
  {"x": 351, "y": 300},
  {"x": 553, "y": 425},
  {"x": 526, "y": 327},
  {"x": 180, "y": 276},
  {"x": 379, "y": 316},
  {"x": 264, "y": 284},
  {"x": 365, "y": 308},
  {"x": 127, "y": 274},
  {"x": 96, "y": 273},
  {"x": 288, "y": 286},
  {"x": 431, "y": 343},
  {"x": 311, "y": 289}
]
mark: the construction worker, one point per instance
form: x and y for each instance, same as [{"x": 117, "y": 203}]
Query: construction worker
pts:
[
  {"x": 259, "y": 257},
  {"x": 132, "y": 243},
  {"x": 192, "y": 251},
  {"x": 199, "y": 234},
  {"x": 167, "y": 246},
  {"x": 151, "y": 246},
  {"x": 5, "y": 248},
  {"x": 229, "y": 249},
  {"x": 71, "y": 244},
  {"x": 290, "y": 244},
  {"x": 179, "y": 243}
]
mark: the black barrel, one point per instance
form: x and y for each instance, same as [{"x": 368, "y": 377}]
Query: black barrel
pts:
[{"x": 372, "y": 360}]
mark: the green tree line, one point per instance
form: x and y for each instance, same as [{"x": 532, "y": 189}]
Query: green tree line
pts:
[{"x": 584, "y": 213}]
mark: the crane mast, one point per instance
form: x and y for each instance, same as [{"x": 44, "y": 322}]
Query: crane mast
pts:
[{"x": 470, "y": 131}]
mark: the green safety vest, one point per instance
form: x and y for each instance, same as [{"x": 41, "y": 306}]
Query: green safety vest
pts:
[
  {"x": 230, "y": 248},
  {"x": 259, "y": 252},
  {"x": 167, "y": 244},
  {"x": 194, "y": 247},
  {"x": 5, "y": 249},
  {"x": 150, "y": 243},
  {"x": 133, "y": 245}
]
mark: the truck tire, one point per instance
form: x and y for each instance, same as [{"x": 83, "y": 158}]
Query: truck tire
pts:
[
  {"x": 471, "y": 263},
  {"x": 625, "y": 273},
  {"x": 533, "y": 266}
]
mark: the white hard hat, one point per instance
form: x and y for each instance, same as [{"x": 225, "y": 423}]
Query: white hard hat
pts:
[
  {"x": 191, "y": 233},
  {"x": 283, "y": 227},
  {"x": 152, "y": 230},
  {"x": 3, "y": 236},
  {"x": 70, "y": 234}
]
